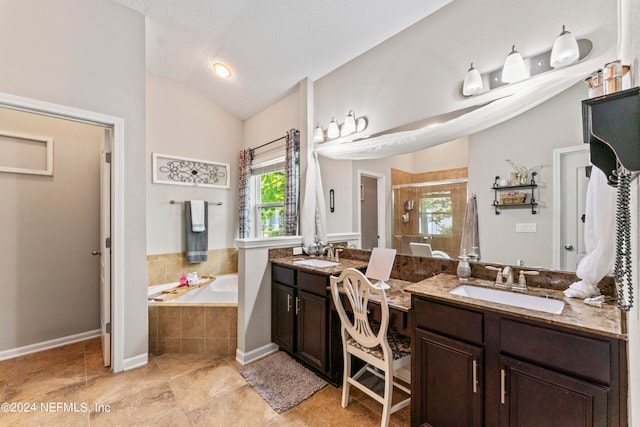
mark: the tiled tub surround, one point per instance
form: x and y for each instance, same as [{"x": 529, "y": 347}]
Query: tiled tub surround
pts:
[
  {"x": 189, "y": 328},
  {"x": 192, "y": 328},
  {"x": 167, "y": 268}
]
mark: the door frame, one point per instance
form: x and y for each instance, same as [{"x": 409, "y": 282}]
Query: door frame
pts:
[
  {"x": 382, "y": 217},
  {"x": 117, "y": 202},
  {"x": 558, "y": 154}
]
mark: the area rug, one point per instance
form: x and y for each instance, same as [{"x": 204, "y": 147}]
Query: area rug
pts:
[{"x": 281, "y": 381}]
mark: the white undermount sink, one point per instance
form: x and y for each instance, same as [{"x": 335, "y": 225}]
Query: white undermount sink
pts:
[
  {"x": 530, "y": 302},
  {"x": 319, "y": 263}
]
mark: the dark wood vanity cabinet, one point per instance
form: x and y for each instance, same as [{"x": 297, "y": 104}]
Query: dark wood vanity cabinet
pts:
[
  {"x": 478, "y": 367},
  {"x": 301, "y": 320}
]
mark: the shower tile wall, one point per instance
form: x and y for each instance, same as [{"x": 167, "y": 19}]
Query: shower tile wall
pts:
[{"x": 167, "y": 268}]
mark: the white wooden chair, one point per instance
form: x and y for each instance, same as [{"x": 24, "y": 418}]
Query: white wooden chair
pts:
[{"x": 382, "y": 353}]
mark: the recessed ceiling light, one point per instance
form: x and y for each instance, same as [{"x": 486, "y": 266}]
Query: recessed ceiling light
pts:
[{"x": 221, "y": 70}]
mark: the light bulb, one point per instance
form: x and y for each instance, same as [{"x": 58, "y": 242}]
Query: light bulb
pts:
[
  {"x": 332, "y": 130},
  {"x": 349, "y": 125},
  {"x": 472, "y": 82},
  {"x": 318, "y": 134},
  {"x": 565, "y": 50},
  {"x": 513, "y": 69}
]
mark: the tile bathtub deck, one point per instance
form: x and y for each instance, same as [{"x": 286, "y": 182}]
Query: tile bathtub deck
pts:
[{"x": 171, "y": 390}]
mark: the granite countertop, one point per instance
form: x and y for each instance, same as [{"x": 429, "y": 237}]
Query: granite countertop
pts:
[
  {"x": 607, "y": 321},
  {"x": 289, "y": 261},
  {"x": 396, "y": 297}
]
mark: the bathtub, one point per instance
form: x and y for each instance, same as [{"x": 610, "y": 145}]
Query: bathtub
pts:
[{"x": 222, "y": 290}]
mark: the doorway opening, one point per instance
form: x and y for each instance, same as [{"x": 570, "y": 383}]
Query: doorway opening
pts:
[
  {"x": 371, "y": 209},
  {"x": 111, "y": 230}
]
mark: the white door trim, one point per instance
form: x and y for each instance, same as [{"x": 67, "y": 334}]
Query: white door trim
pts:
[
  {"x": 117, "y": 206},
  {"x": 382, "y": 214},
  {"x": 558, "y": 153}
]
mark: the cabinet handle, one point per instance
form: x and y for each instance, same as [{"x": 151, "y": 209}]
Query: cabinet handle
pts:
[
  {"x": 503, "y": 391},
  {"x": 288, "y": 303},
  {"x": 297, "y": 305},
  {"x": 475, "y": 376}
]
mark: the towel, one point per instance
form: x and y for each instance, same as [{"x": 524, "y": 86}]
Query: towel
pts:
[
  {"x": 197, "y": 215},
  {"x": 599, "y": 237},
  {"x": 197, "y": 243},
  {"x": 470, "y": 236}
]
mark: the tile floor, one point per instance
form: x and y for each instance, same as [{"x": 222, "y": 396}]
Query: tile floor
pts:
[{"x": 68, "y": 386}]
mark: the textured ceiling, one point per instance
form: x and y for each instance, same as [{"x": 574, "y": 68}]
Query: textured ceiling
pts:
[{"x": 269, "y": 45}]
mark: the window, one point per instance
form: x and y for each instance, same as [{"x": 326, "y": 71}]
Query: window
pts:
[
  {"x": 268, "y": 185},
  {"x": 436, "y": 213}
]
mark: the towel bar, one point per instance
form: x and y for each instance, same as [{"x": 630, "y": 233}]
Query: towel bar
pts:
[{"x": 173, "y": 202}]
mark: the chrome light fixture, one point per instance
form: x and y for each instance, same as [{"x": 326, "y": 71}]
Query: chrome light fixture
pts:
[
  {"x": 565, "y": 50},
  {"x": 350, "y": 126},
  {"x": 318, "y": 134},
  {"x": 333, "y": 131},
  {"x": 472, "y": 82},
  {"x": 514, "y": 69}
]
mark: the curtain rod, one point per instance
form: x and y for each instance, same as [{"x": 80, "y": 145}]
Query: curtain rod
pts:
[
  {"x": 173, "y": 202},
  {"x": 251, "y": 150}
]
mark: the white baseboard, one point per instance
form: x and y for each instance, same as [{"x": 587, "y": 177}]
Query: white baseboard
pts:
[
  {"x": 46, "y": 345},
  {"x": 135, "y": 362},
  {"x": 255, "y": 354}
]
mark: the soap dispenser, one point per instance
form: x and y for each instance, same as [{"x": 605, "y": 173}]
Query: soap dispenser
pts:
[{"x": 464, "y": 269}]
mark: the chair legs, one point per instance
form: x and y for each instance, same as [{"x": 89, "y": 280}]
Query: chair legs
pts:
[
  {"x": 388, "y": 395},
  {"x": 345, "y": 379}
]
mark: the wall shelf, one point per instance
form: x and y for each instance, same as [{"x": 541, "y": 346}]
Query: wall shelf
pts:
[{"x": 532, "y": 203}]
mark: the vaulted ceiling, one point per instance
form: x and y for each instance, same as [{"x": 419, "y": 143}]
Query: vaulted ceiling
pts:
[{"x": 270, "y": 46}]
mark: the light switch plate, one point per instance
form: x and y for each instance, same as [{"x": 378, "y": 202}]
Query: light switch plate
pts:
[
  {"x": 297, "y": 250},
  {"x": 526, "y": 227}
]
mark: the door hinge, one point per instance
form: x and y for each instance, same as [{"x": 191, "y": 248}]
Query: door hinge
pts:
[
  {"x": 107, "y": 243},
  {"x": 107, "y": 157},
  {"x": 108, "y": 328}
]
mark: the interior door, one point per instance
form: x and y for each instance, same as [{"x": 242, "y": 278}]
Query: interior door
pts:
[
  {"x": 574, "y": 167},
  {"x": 369, "y": 212},
  {"x": 105, "y": 246}
]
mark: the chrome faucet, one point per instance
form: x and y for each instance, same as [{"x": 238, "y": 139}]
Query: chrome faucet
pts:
[
  {"x": 328, "y": 251},
  {"x": 507, "y": 273},
  {"x": 522, "y": 281}
]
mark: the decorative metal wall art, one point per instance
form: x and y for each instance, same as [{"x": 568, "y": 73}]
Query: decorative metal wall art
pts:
[
  {"x": 18, "y": 152},
  {"x": 183, "y": 171}
]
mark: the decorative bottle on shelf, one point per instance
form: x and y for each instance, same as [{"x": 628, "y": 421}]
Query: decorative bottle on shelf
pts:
[{"x": 464, "y": 269}]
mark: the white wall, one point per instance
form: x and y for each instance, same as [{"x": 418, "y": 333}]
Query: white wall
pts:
[
  {"x": 51, "y": 281},
  {"x": 89, "y": 54},
  {"x": 273, "y": 122},
  {"x": 183, "y": 123}
]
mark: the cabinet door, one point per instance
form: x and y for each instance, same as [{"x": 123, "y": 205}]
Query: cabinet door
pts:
[
  {"x": 450, "y": 377},
  {"x": 312, "y": 329},
  {"x": 283, "y": 316},
  {"x": 532, "y": 396}
]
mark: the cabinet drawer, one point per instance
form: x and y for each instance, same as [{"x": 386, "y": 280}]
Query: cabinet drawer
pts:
[
  {"x": 313, "y": 283},
  {"x": 451, "y": 321},
  {"x": 586, "y": 357},
  {"x": 283, "y": 275}
]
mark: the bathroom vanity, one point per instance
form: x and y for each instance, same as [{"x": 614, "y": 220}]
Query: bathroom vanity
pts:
[
  {"x": 478, "y": 363},
  {"x": 304, "y": 322}
]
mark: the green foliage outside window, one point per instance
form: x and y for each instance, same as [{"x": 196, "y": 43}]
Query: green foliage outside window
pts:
[
  {"x": 272, "y": 191},
  {"x": 436, "y": 214}
]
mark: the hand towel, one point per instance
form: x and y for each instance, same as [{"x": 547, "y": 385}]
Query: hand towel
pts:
[
  {"x": 197, "y": 242},
  {"x": 599, "y": 237},
  {"x": 197, "y": 215}
]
